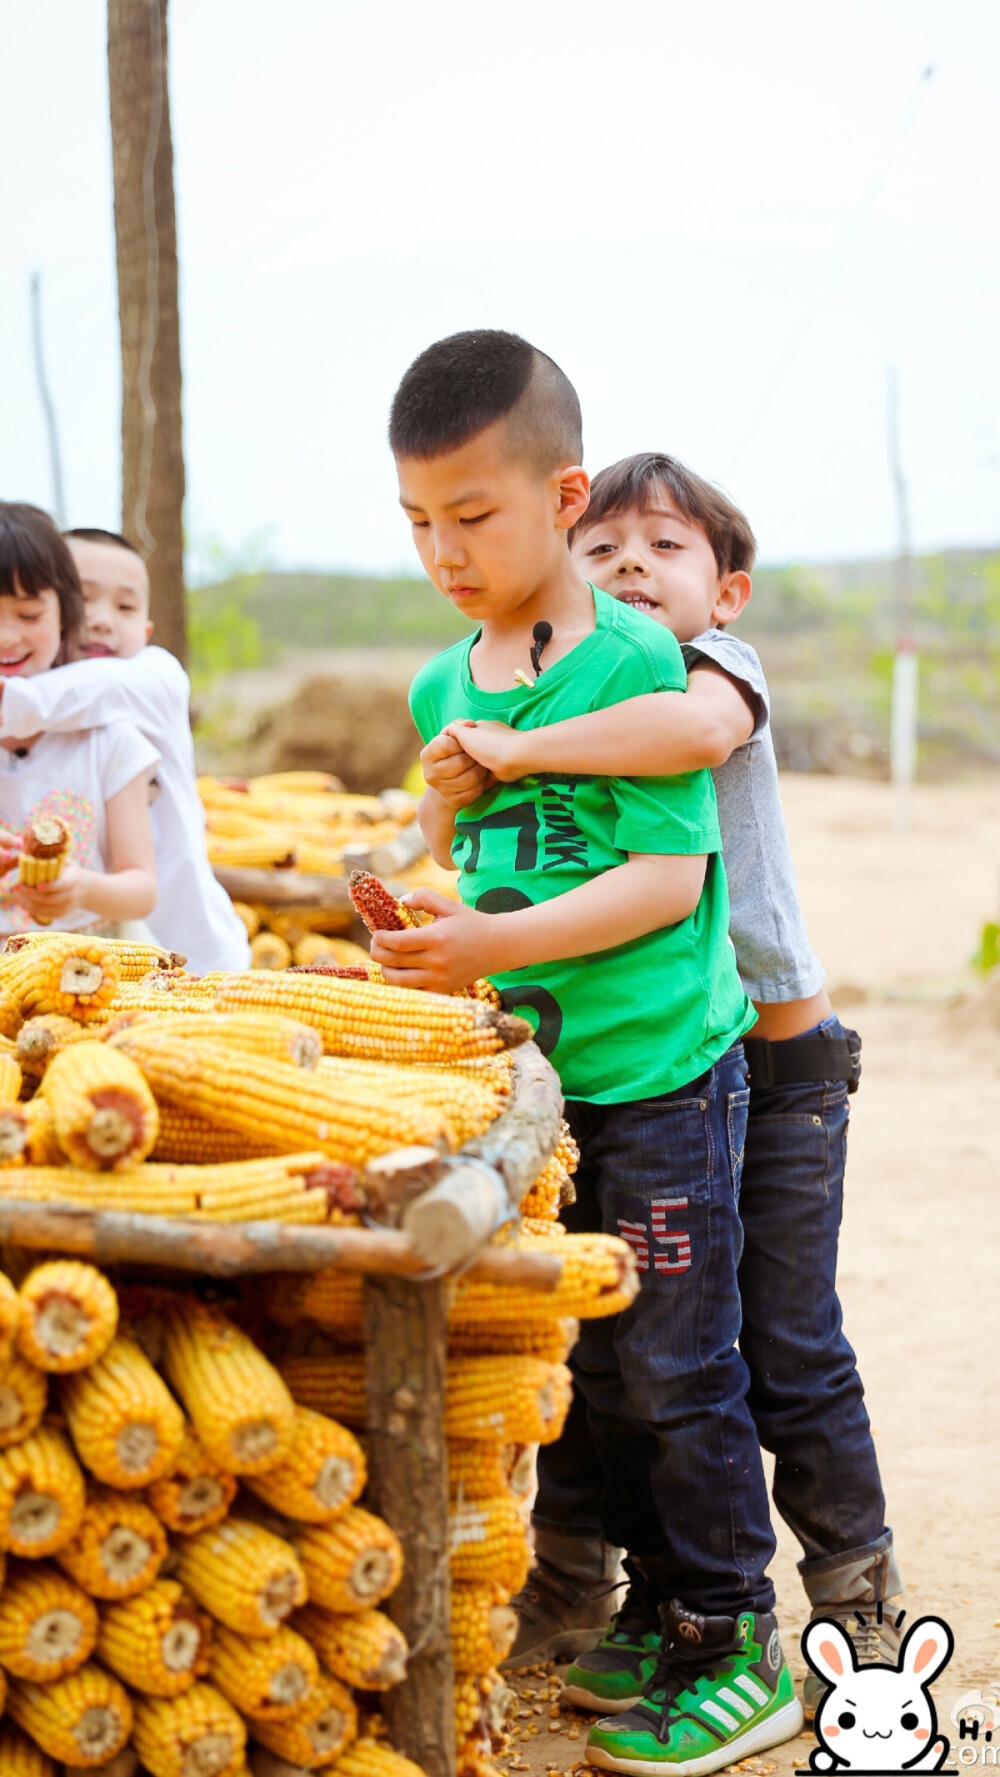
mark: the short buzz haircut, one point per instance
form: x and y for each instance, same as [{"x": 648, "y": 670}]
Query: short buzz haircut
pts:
[
  {"x": 87, "y": 533},
  {"x": 632, "y": 485},
  {"x": 34, "y": 558},
  {"x": 461, "y": 385}
]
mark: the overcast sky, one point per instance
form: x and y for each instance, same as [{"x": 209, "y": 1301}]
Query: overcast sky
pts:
[{"x": 723, "y": 220}]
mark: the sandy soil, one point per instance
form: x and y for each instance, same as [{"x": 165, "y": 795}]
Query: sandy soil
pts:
[{"x": 896, "y": 917}]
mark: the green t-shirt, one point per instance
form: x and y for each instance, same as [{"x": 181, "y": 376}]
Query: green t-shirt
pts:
[{"x": 648, "y": 1016}]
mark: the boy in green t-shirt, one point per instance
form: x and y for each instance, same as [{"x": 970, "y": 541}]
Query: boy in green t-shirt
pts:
[{"x": 599, "y": 907}]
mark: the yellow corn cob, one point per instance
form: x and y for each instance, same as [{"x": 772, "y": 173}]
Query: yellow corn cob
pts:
[
  {"x": 104, "y": 1112},
  {"x": 81, "y": 1719},
  {"x": 197, "y": 1493},
  {"x": 481, "y": 1470},
  {"x": 469, "y": 1106},
  {"x": 482, "y": 1706},
  {"x": 245, "y": 1576},
  {"x": 48, "y": 1626},
  {"x": 330, "y": 1299},
  {"x": 598, "y": 1277},
  {"x": 378, "y": 1023},
  {"x": 322, "y": 1475},
  {"x": 532, "y": 1228},
  {"x": 268, "y": 1679},
  {"x": 509, "y": 1400},
  {"x": 483, "y": 1627},
  {"x": 371, "y": 1758},
  {"x": 119, "y": 1547},
  {"x": 10, "y": 1078},
  {"x": 265, "y": 1034},
  {"x": 125, "y": 1424},
  {"x": 190, "y": 1140},
  {"x": 156, "y": 998},
  {"x": 23, "y": 1398},
  {"x": 10, "y": 1011},
  {"x": 250, "y": 854},
  {"x": 274, "y": 1102},
  {"x": 136, "y": 961},
  {"x": 290, "y": 1187},
  {"x": 65, "y": 973},
  {"x": 20, "y": 1757},
  {"x": 351, "y": 1564},
  {"x": 27, "y": 1133},
  {"x": 10, "y": 1309},
  {"x": 197, "y": 1734},
  {"x": 41, "y": 1039},
  {"x": 41, "y": 1494},
  {"x": 157, "y": 1642},
  {"x": 268, "y": 951},
  {"x": 363, "y": 1649},
  {"x": 319, "y": 1733},
  {"x": 550, "y": 1340},
  {"x": 487, "y": 1542},
  {"x": 241, "y": 1409},
  {"x": 69, "y": 1315},
  {"x": 315, "y": 947},
  {"x": 249, "y": 916}
]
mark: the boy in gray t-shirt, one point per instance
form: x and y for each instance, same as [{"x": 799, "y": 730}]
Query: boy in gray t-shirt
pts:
[{"x": 668, "y": 543}]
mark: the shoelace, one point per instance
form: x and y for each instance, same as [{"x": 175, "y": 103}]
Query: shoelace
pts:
[{"x": 673, "y": 1674}]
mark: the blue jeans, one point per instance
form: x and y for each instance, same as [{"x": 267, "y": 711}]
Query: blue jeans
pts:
[
  {"x": 805, "y": 1393},
  {"x": 664, "y": 1383}
]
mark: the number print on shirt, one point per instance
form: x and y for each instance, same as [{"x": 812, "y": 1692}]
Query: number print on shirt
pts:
[{"x": 671, "y": 1247}]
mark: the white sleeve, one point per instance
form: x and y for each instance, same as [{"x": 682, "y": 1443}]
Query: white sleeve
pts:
[
  {"x": 151, "y": 690},
  {"x": 125, "y": 754}
]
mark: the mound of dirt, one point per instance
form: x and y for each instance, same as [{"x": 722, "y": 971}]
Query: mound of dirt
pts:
[{"x": 360, "y": 729}]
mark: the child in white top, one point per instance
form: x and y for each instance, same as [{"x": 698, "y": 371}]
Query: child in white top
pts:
[
  {"x": 96, "y": 781},
  {"x": 115, "y": 676}
]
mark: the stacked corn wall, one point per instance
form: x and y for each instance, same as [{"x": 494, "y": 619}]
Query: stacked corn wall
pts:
[{"x": 189, "y": 1574}]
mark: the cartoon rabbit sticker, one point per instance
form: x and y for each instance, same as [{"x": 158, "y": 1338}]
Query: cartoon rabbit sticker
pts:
[{"x": 878, "y": 1718}]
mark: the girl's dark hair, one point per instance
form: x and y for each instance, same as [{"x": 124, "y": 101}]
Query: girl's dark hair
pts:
[
  {"x": 632, "y": 485},
  {"x": 35, "y": 558}
]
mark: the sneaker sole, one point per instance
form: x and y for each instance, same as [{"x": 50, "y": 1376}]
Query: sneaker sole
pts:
[
  {"x": 566, "y": 1645},
  {"x": 584, "y": 1699},
  {"x": 783, "y": 1725}
]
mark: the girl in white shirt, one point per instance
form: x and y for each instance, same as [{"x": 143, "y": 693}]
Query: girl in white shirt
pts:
[{"x": 96, "y": 781}]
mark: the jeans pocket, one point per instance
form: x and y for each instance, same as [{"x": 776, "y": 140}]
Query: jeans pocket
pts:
[{"x": 736, "y": 1129}]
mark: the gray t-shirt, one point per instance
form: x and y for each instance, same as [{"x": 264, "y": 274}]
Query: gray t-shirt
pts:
[{"x": 775, "y": 958}]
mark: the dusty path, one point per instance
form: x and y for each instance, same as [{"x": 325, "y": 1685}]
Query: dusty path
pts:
[{"x": 895, "y": 919}]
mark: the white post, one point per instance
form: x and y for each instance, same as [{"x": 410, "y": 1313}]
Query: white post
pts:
[{"x": 903, "y": 734}]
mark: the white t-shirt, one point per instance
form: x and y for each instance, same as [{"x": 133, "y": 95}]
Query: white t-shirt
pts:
[
  {"x": 193, "y": 913},
  {"x": 74, "y": 777}
]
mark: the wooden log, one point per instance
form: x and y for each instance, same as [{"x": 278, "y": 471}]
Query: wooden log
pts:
[
  {"x": 230, "y": 1249},
  {"x": 526, "y": 1135},
  {"x": 405, "y": 1341}
]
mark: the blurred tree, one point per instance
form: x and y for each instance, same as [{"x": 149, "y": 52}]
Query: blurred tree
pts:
[{"x": 146, "y": 242}]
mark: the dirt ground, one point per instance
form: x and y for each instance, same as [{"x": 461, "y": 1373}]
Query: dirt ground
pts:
[{"x": 895, "y": 918}]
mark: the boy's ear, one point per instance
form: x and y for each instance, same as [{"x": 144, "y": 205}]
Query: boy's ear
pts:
[
  {"x": 734, "y": 592},
  {"x": 573, "y": 488},
  {"x": 149, "y": 629}
]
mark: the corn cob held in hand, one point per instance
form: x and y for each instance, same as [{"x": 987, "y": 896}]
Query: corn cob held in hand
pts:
[
  {"x": 104, "y": 1113},
  {"x": 197, "y": 1493},
  {"x": 245, "y": 1576},
  {"x": 351, "y": 1564},
  {"x": 268, "y": 1678},
  {"x": 197, "y": 1734},
  {"x": 157, "y": 1642},
  {"x": 382, "y": 912},
  {"x": 241, "y": 1410},
  {"x": 69, "y": 1315},
  {"x": 41, "y": 1494},
  {"x": 48, "y": 1626},
  {"x": 363, "y": 1649},
  {"x": 119, "y": 1547},
  {"x": 322, "y": 1475},
  {"x": 81, "y": 1719},
  {"x": 317, "y": 1735}
]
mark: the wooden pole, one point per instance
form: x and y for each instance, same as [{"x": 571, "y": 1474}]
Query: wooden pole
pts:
[
  {"x": 405, "y": 1339},
  {"x": 48, "y": 405}
]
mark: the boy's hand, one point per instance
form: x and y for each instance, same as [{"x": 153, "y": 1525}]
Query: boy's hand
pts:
[
  {"x": 449, "y": 770},
  {"x": 53, "y": 900},
  {"x": 494, "y": 745},
  {"x": 11, "y": 846},
  {"x": 450, "y": 953}
]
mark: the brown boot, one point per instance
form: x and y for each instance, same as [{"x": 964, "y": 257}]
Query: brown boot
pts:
[
  {"x": 567, "y": 1601},
  {"x": 864, "y": 1593}
]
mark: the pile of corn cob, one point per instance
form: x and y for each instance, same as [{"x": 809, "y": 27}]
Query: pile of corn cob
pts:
[
  {"x": 154, "y": 1600},
  {"x": 298, "y": 819},
  {"x": 227, "y": 1095}
]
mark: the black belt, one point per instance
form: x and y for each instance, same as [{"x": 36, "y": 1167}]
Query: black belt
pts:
[{"x": 800, "y": 1059}]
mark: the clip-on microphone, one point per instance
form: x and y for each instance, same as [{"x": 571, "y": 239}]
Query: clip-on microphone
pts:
[{"x": 542, "y": 633}]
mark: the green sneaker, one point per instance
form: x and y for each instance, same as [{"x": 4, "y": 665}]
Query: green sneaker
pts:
[
  {"x": 613, "y": 1675},
  {"x": 720, "y": 1691}
]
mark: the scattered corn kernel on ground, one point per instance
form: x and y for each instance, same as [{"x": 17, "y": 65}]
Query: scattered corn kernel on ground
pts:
[{"x": 194, "y": 1570}]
